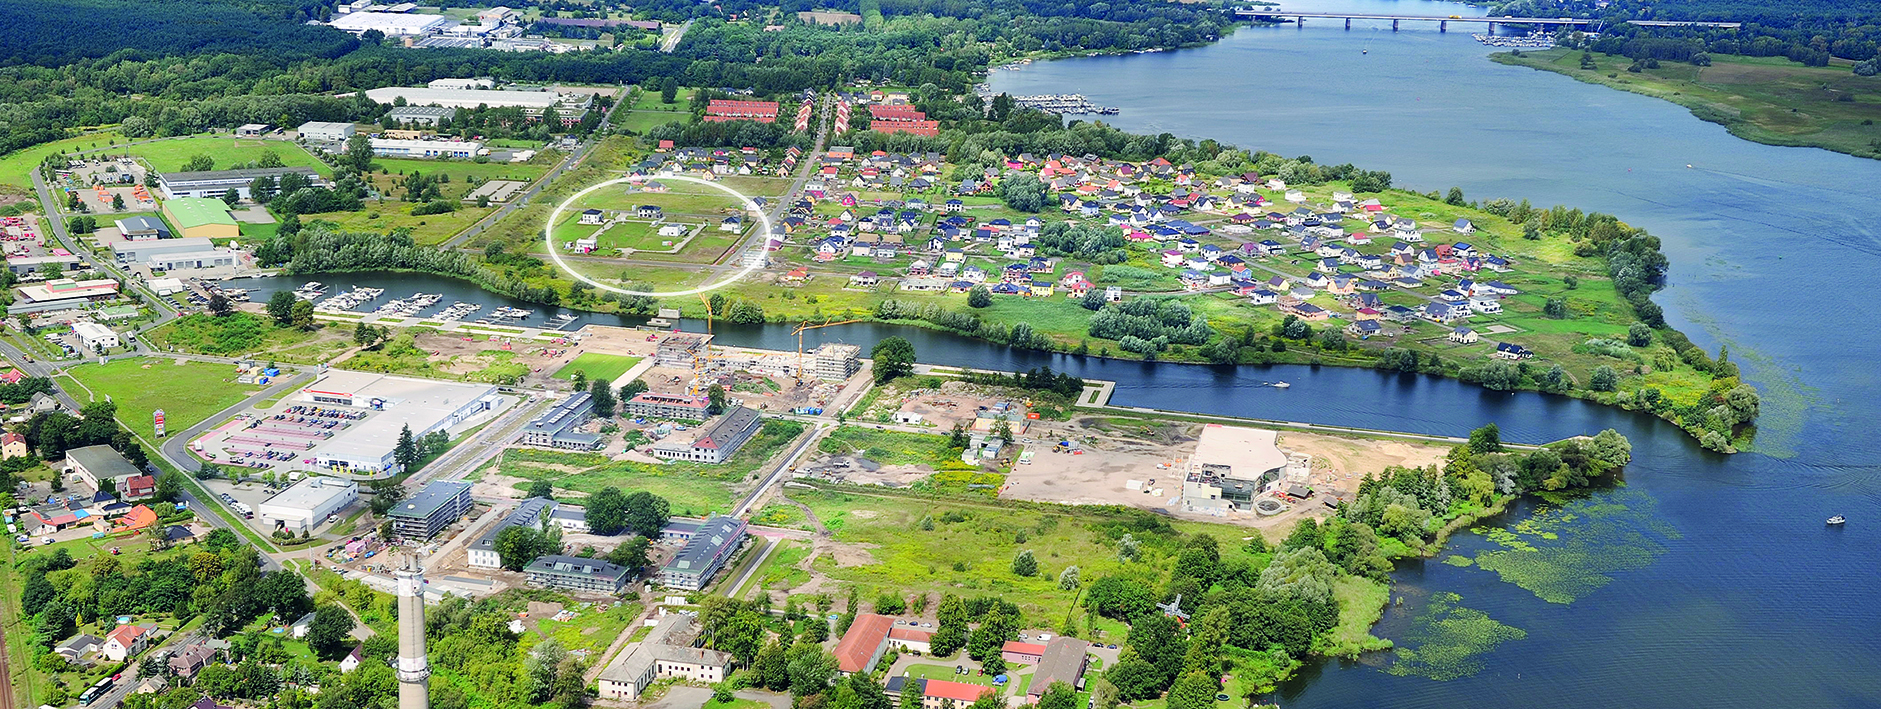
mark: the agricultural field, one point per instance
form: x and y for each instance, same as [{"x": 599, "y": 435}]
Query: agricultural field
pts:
[{"x": 188, "y": 393}]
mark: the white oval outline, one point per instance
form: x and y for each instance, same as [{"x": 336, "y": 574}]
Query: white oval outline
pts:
[{"x": 548, "y": 235}]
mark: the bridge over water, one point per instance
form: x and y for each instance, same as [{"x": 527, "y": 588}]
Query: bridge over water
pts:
[{"x": 1443, "y": 22}]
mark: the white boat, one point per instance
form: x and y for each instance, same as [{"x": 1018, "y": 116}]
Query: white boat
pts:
[
  {"x": 1838, "y": 519},
  {"x": 1281, "y": 385}
]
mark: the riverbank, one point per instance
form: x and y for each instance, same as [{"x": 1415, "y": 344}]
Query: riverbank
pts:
[{"x": 1769, "y": 100}]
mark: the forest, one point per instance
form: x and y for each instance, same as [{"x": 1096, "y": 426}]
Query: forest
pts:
[{"x": 1808, "y": 31}]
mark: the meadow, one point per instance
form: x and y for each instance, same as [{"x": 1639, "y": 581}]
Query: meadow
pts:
[{"x": 188, "y": 393}]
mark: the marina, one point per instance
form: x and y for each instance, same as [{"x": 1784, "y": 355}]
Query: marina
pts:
[
  {"x": 349, "y": 300},
  {"x": 1064, "y": 104},
  {"x": 310, "y": 290},
  {"x": 457, "y": 311},
  {"x": 1532, "y": 40},
  {"x": 410, "y": 306}
]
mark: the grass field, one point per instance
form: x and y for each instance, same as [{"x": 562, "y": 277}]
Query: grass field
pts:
[
  {"x": 384, "y": 216},
  {"x": 187, "y": 393},
  {"x": 1766, "y": 99},
  {"x": 16, "y": 168},
  {"x": 170, "y": 155},
  {"x": 643, "y": 120},
  {"x": 597, "y": 365},
  {"x": 692, "y": 489},
  {"x": 459, "y": 171}
]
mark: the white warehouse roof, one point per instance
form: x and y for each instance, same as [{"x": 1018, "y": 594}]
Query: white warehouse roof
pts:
[
  {"x": 464, "y": 98},
  {"x": 391, "y": 23}
]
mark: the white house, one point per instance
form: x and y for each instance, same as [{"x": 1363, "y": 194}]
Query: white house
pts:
[
  {"x": 125, "y": 641},
  {"x": 672, "y": 230}
]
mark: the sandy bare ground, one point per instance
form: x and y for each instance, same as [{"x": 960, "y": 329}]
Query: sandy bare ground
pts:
[
  {"x": 497, "y": 485},
  {"x": 1339, "y": 463}
]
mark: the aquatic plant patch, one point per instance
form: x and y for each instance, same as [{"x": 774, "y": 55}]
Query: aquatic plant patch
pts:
[
  {"x": 1447, "y": 640},
  {"x": 1574, "y": 547}
]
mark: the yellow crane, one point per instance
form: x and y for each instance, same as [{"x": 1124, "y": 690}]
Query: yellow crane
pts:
[
  {"x": 799, "y": 334},
  {"x": 708, "y": 313}
]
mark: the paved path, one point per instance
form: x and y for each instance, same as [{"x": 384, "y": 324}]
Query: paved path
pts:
[{"x": 671, "y": 41}]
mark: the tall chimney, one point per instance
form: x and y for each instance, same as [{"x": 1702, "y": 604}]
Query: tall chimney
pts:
[{"x": 414, "y": 672}]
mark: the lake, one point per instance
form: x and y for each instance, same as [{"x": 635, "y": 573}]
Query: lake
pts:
[{"x": 1706, "y": 580}]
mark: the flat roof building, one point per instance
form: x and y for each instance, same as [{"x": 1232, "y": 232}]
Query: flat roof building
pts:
[
  {"x": 401, "y": 148},
  {"x": 679, "y": 350},
  {"x": 557, "y": 427},
  {"x": 142, "y": 228},
  {"x": 62, "y": 294},
  {"x": 201, "y": 217},
  {"x": 422, "y": 115},
  {"x": 529, "y": 513},
  {"x": 213, "y": 184},
  {"x": 422, "y": 516},
  {"x": 393, "y": 24},
  {"x": 423, "y": 405},
  {"x": 462, "y": 84},
  {"x": 96, "y": 463},
  {"x": 172, "y": 254},
  {"x": 835, "y": 360},
  {"x": 690, "y": 407},
  {"x": 1234, "y": 464},
  {"x": 302, "y": 507},
  {"x": 569, "y": 106},
  {"x": 326, "y": 131},
  {"x": 718, "y": 443},
  {"x": 573, "y": 573},
  {"x": 94, "y": 337},
  {"x": 704, "y": 555}
]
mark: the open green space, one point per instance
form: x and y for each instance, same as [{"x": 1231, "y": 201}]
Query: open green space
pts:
[
  {"x": 1766, "y": 99},
  {"x": 598, "y": 365},
  {"x": 642, "y": 120},
  {"x": 169, "y": 155},
  {"x": 388, "y": 171},
  {"x": 386, "y": 215},
  {"x": 692, "y": 489},
  {"x": 188, "y": 393},
  {"x": 16, "y": 168}
]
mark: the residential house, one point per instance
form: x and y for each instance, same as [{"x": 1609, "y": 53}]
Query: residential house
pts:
[
  {"x": 1364, "y": 328},
  {"x": 1510, "y": 350},
  {"x": 865, "y": 279},
  {"x": 1486, "y": 306},
  {"x": 126, "y": 641},
  {"x": 1464, "y": 335}
]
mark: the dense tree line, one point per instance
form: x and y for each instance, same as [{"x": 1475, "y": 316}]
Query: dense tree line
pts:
[
  {"x": 1148, "y": 325},
  {"x": 1037, "y": 378},
  {"x": 1809, "y": 32}
]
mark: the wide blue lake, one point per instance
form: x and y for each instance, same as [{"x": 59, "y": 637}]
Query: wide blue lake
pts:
[{"x": 1723, "y": 587}]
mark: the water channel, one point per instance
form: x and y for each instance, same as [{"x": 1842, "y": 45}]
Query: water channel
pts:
[{"x": 1705, "y": 580}]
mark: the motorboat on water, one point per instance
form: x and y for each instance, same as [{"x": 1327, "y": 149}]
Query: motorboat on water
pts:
[{"x": 1836, "y": 520}]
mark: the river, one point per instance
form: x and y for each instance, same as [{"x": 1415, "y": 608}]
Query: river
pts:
[{"x": 1706, "y": 580}]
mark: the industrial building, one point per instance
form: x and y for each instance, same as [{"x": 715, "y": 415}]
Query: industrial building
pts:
[
  {"x": 570, "y": 107},
  {"x": 688, "y": 407},
  {"x": 573, "y": 573},
  {"x": 392, "y": 24},
  {"x": 22, "y": 265},
  {"x": 142, "y": 229},
  {"x": 704, "y": 555},
  {"x": 1231, "y": 466},
  {"x": 529, "y": 513},
  {"x": 95, "y": 337},
  {"x": 421, "y": 516},
  {"x": 462, "y": 84},
  {"x": 556, "y": 428},
  {"x": 301, "y": 507},
  {"x": 215, "y": 183},
  {"x": 395, "y": 403},
  {"x": 94, "y": 464},
  {"x": 717, "y": 443},
  {"x": 421, "y": 115},
  {"x": 667, "y": 651},
  {"x": 835, "y": 360},
  {"x": 203, "y": 217},
  {"x": 62, "y": 294},
  {"x": 326, "y": 131},
  {"x": 403, "y": 148},
  {"x": 172, "y": 254}
]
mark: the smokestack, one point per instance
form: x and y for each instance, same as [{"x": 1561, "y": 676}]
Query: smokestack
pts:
[{"x": 414, "y": 672}]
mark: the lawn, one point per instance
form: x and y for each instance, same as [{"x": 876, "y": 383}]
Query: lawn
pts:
[
  {"x": 170, "y": 155},
  {"x": 641, "y": 120},
  {"x": 692, "y": 489},
  {"x": 386, "y": 215},
  {"x": 188, "y": 393},
  {"x": 970, "y": 546},
  {"x": 459, "y": 172},
  {"x": 1766, "y": 99},
  {"x": 16, "y": 168},
  {"x": 598, "y": 365}
]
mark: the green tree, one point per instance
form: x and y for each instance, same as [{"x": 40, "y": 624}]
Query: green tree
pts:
[
  {"x": 220, "y": 306},
  {"x": 1455, "y": 197},
  {"x": 631, "y": 553},
  {"x": 1024, "y": 192},
  {"x": 1068, "y": 579},
  {"x": 405, "y": 452},
  {"x": 1196, "y": 690},
  {"x": 607, "y": 512},
  {"x": 631, "y": 389},
  {"x": 331, "y": 624},
  {"x": 1603, "y": 379},
  {"x": 951, "y": 633},
  {"x": 1555, "y": 308},
  {"x": 304, "y": 315},
  {"x": 199, "y": 163},
  {"x": 281, "y": 308},
  {"x": 670, "y": 92},
  {"x": 517, "y": 545},
  {"x": 894, "y": 358},
  {"x": 231, "y": 196},
  {"x": 1058, "y": 696},
  {"x": 979, "y": 297},
  {"x": 1486, "y": 439},
  {"x": 647, "y": 513},
  {"x": 1023, "y": 564},
  {"x": 715, "y": 399},
  {"x": 541, "y": 488},
  {"x": 1638, "y": 334},
  {"x": 603, "y": 395},
  {"x": 358, "y": 153}
]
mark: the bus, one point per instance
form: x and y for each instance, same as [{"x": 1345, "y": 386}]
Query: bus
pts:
[{"x": 96, "y": 692}]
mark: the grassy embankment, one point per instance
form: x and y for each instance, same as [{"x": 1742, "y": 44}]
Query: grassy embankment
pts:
[{"x": 1769, "y": 100}]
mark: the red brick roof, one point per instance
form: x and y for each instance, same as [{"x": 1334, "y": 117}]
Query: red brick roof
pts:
[
  {"x": 957, "y": 691},
  {"x": 126, "y": 635},
  {"x": 865, "y": 636},
  {"x": 1022, "y": 648},
  {"x": 911, "y": 634}
]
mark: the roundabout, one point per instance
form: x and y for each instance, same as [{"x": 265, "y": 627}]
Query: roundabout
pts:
[{"x": 555, "y": 217}]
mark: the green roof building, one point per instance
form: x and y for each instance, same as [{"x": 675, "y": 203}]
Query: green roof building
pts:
[{"x": 198, "y": 216}]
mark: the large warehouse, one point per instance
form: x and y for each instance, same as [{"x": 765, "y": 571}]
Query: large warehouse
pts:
[
  {"x": 303, "y": 506},
  {"x": 399, "y": 148},
  {"x": 199, "y": 216},
  {"x": 172, "y": 254},
  {"x": 393, "y": 24},
  {"x": 326, "y": 131},
  {"x": 396, "y": 402},
  {"x": 571, "y": 106},
  {"x": 214, "y": 183}
]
